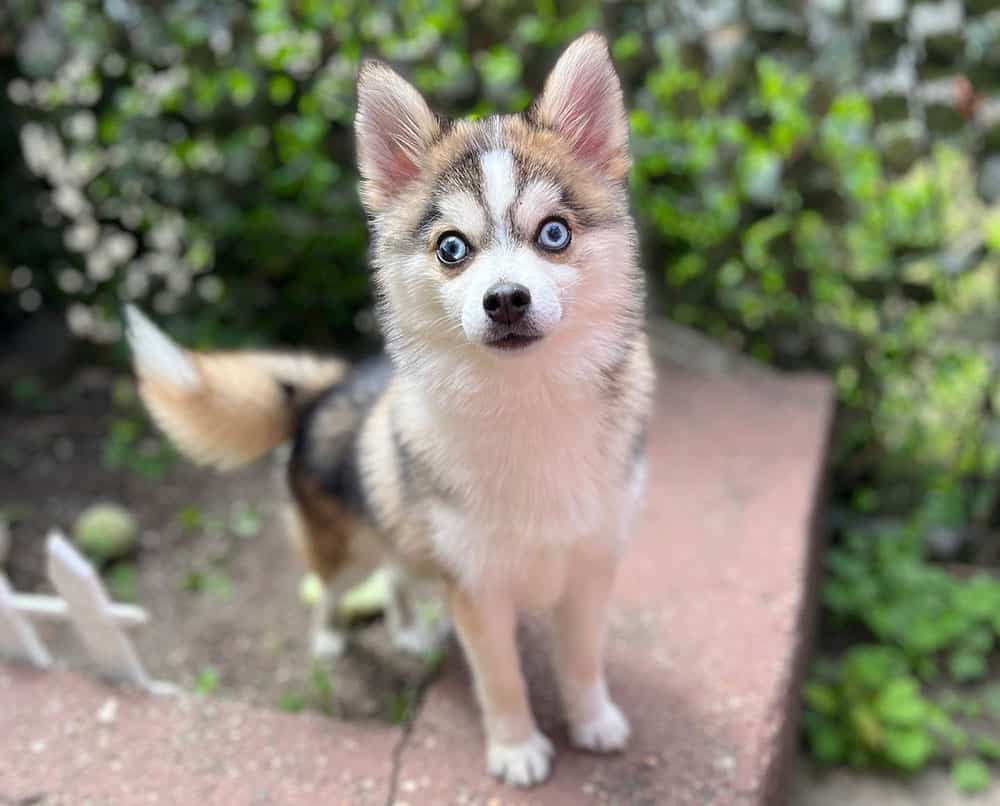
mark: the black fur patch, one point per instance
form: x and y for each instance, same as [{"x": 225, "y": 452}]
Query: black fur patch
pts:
[
  {"x": 430, "y": 215},
  {"x": 331, "y": 456},
  {"x": 527, "y": 170}
]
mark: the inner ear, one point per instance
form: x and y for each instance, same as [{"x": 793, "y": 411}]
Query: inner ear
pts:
[
  {"x": 394, "y": 127},
  {"x": 582, "y": 101}
]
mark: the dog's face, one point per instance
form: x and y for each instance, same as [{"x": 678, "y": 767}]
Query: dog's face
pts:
[{"x": 492, "y": 238}]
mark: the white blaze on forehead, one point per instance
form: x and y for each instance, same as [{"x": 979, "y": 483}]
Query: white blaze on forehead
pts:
[
  {"x": 498, "y": 186},
  {"x": 462, "y": 210},
  {"x": 537, "y": 201}
]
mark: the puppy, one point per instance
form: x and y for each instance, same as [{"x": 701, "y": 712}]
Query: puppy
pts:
[{"x": 499, "y": 445}]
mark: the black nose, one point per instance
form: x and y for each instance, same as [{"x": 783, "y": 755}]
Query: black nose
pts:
[{"x": 506, "y": 303}]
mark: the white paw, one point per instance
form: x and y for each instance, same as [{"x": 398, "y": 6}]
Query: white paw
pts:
[
  {"x": 604, "y": 733},
  {"x": 524, "y": 764},
  {"x": 328, "y": 644}
]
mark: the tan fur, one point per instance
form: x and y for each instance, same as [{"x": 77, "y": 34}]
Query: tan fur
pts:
[
  {"x": 237, "y": 412},
  {"x": 322, "y": 529}
]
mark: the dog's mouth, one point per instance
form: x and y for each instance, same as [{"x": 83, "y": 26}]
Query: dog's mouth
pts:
[{"x": 512, "y": 342}]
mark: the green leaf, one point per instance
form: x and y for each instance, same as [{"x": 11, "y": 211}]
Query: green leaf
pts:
[
  {"x": 826, "y": 741},
  {"x": 292, "y": 702},
  {"x": 207, "y": 680},
  {"x": 970, "y": 774},
  {"x": 280, "y": 89},
  {"x": 988, "y": 746},
  {"x": 965, "y": 665},
  {"x": 991, "y": 230},
  {"x": 123, "y": 582},
  {"x": 627, "y": 46},
  {"x": 900, "y": 703},
  {"x": 991, "y": 699},
  {"x": 821, "y": 698},
  {"x": 866, "y": 725},
  {"x": 908, "y": 748},
  {"x": 190, "y": 518}
]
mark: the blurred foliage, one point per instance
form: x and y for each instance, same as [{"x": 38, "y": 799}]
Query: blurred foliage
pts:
[
  {"x": 920, "y": 693},
  {"x": 197, "y": 157}
]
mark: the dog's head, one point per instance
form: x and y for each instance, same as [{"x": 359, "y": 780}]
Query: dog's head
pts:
[{"x": 504, "y": 237}]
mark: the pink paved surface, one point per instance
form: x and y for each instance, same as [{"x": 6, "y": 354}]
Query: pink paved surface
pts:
[
  {"x": 712, "y": 610},
  {"x": 62, "y": 743},
  {"x": 707, "y": 643}
]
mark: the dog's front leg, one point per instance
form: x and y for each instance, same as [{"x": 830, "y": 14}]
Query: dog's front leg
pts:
[
  {"x": 580, "y": 622},
  {"x": 516, "y": 751}
]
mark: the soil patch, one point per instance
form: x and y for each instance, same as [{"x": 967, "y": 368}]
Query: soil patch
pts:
[{"x": 213, "y": 567}]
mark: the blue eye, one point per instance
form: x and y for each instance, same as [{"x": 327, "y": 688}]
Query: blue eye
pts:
[
  {"x": 452, "y": 248},
  {"x": 553, "y": 235}
]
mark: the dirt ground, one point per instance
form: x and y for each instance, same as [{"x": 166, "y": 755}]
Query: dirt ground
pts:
[{"x": 213, "y": 566}]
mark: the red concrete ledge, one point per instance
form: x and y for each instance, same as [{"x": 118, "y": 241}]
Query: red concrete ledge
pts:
[
  {"x": 67, "y": 740},
  {"x": 708, "y": 640},
  {"x": 713, "y": 606}
]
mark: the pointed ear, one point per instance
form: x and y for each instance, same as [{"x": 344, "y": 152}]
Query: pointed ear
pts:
[
  {"x": 394, "y": 127},
  {"x": 582, "y": 101}
]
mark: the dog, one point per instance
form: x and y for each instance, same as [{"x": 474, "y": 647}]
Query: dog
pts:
[{"x": 499, "y": 444}]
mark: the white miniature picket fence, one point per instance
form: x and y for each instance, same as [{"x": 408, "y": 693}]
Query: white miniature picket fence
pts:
[{"x": 84, "y": 603}]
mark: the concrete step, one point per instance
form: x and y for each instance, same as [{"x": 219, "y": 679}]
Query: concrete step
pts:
[
  {"x": 709, "y": 634},
  {"x": 68, "y": 740}
]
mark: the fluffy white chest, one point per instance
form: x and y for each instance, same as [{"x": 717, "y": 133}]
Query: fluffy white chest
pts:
[{"x": 532, "y": 483}]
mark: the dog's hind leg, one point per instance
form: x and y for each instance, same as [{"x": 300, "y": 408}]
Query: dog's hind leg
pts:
[
  {"x": 328, "y": 633},
  {"x": 324, "y": 540},
  {"x": 412, "y": 628}
]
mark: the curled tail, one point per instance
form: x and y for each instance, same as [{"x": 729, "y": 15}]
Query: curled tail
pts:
[{"x": 223, "y": 408}]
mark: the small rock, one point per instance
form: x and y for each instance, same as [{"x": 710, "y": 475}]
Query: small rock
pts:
[
  {"x": 106, "y": 532},
  {"x": 108, "y": 712}
]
